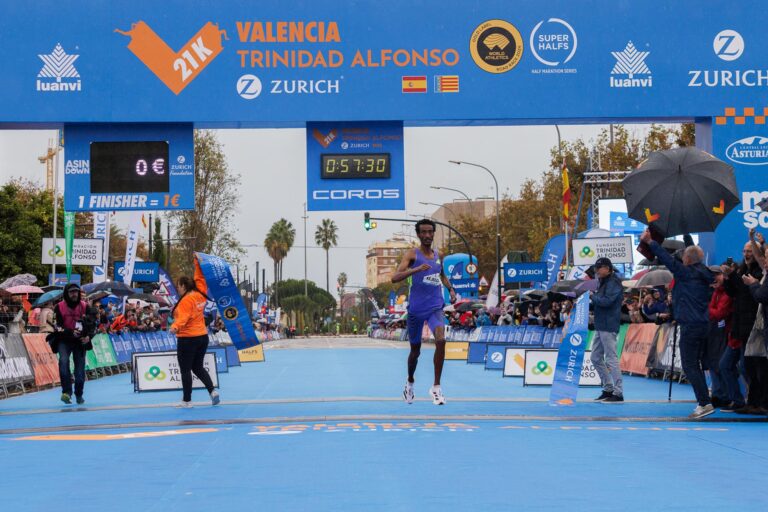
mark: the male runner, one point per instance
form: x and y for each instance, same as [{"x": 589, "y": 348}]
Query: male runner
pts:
[{"x": 425, "y": 304}]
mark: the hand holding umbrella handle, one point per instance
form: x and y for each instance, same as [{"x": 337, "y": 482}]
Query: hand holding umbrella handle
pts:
[{"x": 646, "y": 237}]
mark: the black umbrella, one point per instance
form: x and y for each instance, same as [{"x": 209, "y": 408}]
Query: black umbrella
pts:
[
  {"x": 117, "y": 288},
  {"x": 681, "y": 190},
  {"x": 148, "y": 297},
  {"x": 565, "y": 286}
]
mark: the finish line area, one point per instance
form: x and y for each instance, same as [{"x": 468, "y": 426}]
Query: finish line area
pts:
[{"x": 326, "y": 429}]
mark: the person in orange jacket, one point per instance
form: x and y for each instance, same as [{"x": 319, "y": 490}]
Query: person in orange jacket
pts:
[{"x": 192, "y": 335}]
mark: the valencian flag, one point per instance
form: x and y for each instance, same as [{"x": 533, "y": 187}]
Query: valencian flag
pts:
[
  {"x": 414, "y": 84},
  {"x": 566, "y": 194},
  {"x": 447, "y": 83}
]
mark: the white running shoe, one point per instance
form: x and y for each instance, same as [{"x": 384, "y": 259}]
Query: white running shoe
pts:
[
  {"x": 437, "y": 395},
  {"x": 408, "y": 394},
  {"x": 184, "y": 405},
  {"x": 215, "y": 398},
  {"x": 701, "y": 411}
]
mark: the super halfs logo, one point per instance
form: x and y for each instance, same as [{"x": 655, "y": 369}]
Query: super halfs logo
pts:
[{"x": 175, "y": 69}]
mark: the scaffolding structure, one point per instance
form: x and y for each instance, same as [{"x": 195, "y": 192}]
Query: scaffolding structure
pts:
[{"x": 598, "y": 183}]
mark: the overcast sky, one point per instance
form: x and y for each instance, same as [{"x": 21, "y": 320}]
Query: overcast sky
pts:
[{"x": 273, "y": 168}]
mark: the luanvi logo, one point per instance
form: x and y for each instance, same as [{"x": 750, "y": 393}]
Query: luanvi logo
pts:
[
  {"x": 58, "y": 73},
  {"x": 631, "y": 62},
  {"x": 175, "y": 69}
]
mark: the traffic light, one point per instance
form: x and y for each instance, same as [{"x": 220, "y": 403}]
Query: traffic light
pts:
[{"x": 367, "y": 221}]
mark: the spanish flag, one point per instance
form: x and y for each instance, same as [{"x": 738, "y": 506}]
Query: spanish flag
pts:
[
  {"x": 414, "y": 84},
  {"x": 566, "y": 194}
]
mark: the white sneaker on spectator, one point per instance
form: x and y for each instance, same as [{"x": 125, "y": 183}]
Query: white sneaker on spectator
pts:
[
  {"x": 701, "y": 410},
  {"x": 184, "y": 405},
  {"x": 215, "y": 398},
  {"x": 437, "y": 395}
]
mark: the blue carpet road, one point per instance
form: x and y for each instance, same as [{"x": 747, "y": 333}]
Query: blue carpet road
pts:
[{"x": 326, "y": 429}]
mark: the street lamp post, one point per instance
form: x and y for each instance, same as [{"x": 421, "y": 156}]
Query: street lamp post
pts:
[
  {"x": 471, "y": 208},
  {"x": 498, "y": 227}
]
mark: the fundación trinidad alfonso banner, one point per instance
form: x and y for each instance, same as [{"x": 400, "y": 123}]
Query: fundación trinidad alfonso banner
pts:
[{"x": 570, "y": 357}]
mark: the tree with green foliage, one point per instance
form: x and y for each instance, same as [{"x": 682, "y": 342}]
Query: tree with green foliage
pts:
[
  {"x": 26, "y": 217},
  {"x": 208, "y": 228},
  {"x": 158, "y": 247},
  {"x": 531, "y": 218},
  {"x": 326, "y": 237},
  {"x": 278, "y": 243},
  {"x": 309, "y": 310}
]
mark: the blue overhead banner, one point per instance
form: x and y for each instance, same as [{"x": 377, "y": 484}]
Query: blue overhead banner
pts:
[
  {"x": 274, "y": 63},
  {"x": 740, "y": 138},
  {"x": 223, "y": 291},
  {"x": 355, "y": 166},
  {"x": 570, "y": 356},
  {"x": 111, "y": 167}
]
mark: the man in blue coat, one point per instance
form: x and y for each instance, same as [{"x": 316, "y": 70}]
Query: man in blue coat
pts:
[
  {"x": 607, "y": 310},
  {"x": 690, "y": 307}
]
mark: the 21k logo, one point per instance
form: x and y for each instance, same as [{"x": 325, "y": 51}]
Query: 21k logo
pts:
[{"x": 175, "y": 69}]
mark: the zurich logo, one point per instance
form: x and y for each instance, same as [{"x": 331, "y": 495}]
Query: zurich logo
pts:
[
  {"x": 496, "y": 357},
  {"x": 749, "y": 151},
  {"x": 576, "y": 340},
  {"x": 511, "y": 273},
  {"x": 728, "y": 45},
  {"x": 249, "y": 87}
]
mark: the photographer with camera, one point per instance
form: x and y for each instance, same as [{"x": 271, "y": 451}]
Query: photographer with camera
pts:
[{"x": 75, "y": 324}]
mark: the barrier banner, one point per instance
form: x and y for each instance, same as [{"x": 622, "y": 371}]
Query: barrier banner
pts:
[
  {"x": 252, "y": 354},
  {"x": 456, "y": 350},
  {"x": 666, "y": 357},
  {"x": 223, "y": 290},
  {"x": 476, "y": 352},
  {"x": 656, "y": 352},
  {"x": 220, "y": 353},
  {"x": 103, "y": 352},
  {"x": 14, "y": 361},
  {"x": 159, "y": 371},
  {"x": 494, "y": 356},
  {"x": 620, "y": 338},
  {"x": 45, "y": 364},
  {"x": 637, "y": 345},
  {"x": 233, "y": 357},
  {"x": 514, "y": 362},
  {"x": 540, "y": 365},
  {"x": 570, "y": 356},
  {"x": 123, "y": 349}
]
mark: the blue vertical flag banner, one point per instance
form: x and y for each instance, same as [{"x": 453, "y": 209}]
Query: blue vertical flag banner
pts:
[
  {"x": 69, "y": 238},
  {"x": 570, "y": 357},
  {"x": 167, "y": 288},
  {"x": 222, "y": 289},
  {"x": 553, "y": 255}
]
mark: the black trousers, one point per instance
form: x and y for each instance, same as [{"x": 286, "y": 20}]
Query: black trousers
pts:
[
  {"x": 191, "y": 352},
  {"x": 756, "y": 369}
]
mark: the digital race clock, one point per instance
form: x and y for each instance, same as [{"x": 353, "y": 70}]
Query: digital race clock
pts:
[
  {"x": 355, "y": 165},
  {"x": 140, "y": 166}
]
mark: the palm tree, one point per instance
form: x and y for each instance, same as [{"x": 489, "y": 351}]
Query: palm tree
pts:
[
  {"x": 342, "y": 282},
  {"x": 278, "y": 243},
  {"x": 325, "y": 237}
]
